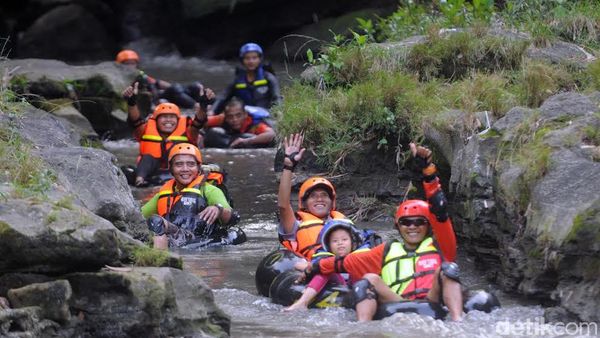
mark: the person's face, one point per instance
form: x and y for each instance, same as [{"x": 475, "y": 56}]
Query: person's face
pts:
[
  {"x": 251, "y": 60},
  {"x": 131, "y": 64},
  {"x": 413, "y": 230},
  {"x": 318, "y": 203},
  {"x": 340, "y": 242},
  {"x": 166, "y": 123},
  {"x": 235, "y": 116},
  {"x": 184, "y": 169}
]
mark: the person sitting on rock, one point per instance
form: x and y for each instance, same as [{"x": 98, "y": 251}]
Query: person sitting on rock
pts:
[
  {"x": 421, "y": 266},
  {"x": 254, "y": 85},
  {"x": 160, "y": 132},
  {"x": 338, "y": 237},
  {"x": 237, "y": 129},
  {"x": 188, "y": 211},
  {"x": 183, "y": 96}
]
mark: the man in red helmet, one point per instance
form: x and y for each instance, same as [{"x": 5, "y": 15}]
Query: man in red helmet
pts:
[
  {"x": 188, "y": 210},
  {"x": 421, "y": 266},
  {"x": 163, "y": 129}
]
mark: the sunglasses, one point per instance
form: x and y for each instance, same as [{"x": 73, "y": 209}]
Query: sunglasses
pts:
[{"x": 415, "y": 221}]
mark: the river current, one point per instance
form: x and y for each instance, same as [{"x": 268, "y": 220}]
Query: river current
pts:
[{"x": 230, "y": 270}]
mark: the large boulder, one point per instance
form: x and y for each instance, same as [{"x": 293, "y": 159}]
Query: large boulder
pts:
[
  {"x": 146, "y": 302},
  {"x": 526, "y": 200},
  {"x": 67, "y": 32},
  {"x": 44, "y": 237},
  {"x": 52, "y": 297}
]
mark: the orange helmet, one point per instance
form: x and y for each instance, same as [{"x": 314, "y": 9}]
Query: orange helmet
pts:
[
  {"x": 185, "y": 149},
  {"x": 166, "y": 108},
  {"x": 127, "y": 55},
  {"x": 412, "y": 208},
  {"x": 312, "y": 183}
]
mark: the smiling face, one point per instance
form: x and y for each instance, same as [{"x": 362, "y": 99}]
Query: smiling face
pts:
[
  {"x": 184, "y": 169},
  {"x": 318, "y": 202},
  {"x": 340, "y": 242},
  {"x": 235, "y": 115},
  {"x": 166, "y": 123},
  {"x": 251, "y": 60},
  {"x": 413, "y": 230}
]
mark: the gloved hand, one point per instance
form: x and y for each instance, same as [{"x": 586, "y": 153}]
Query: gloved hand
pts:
[{"x": 421, "y": 154}]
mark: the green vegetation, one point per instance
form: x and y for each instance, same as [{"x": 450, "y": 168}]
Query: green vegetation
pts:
[
  {"x": 387, "y": 93},
  {"x": 146, "y": 256}
]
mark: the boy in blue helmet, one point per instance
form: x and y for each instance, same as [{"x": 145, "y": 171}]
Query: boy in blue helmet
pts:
[{"x": 254, "y": 85}]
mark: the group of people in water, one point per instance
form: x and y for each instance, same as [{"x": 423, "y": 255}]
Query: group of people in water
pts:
[{"x": 191, "y": 210}]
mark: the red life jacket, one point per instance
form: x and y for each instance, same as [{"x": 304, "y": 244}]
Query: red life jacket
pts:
[
  {"x": 168, "y": 197},
  {"x": 154, "y": 145}
]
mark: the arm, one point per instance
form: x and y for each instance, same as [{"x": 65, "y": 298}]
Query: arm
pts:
[
  {"x": 134, "y": 117},
  {"x": 274, "y": 88},
  {"x": 264, "y": 135},
  {"x": 357, "y": 264},
  {"x": 151, "y": 207},
  {"x": 441, "y": 225},
  {"x": 211, "y": 213},
  {"x": 200, "y": 119},
  {"x": 293, "y": 146}
]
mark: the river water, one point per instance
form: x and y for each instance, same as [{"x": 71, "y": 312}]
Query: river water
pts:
[{"x": 230, "y": 270}]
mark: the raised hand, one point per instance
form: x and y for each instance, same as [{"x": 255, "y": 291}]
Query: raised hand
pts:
[
  {"x": 293, "y": 150},
  {"x": 421, "y": 154},
  {"x": 131, "y": 91}
]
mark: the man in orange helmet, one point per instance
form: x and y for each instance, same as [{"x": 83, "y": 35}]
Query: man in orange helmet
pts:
[
  {"x": 131, "y": 60},
  {"x": 160, "y": 132},
  {"x": 299, "y": 231},
  {"x": 185, "y": 210},
  {"x": 419, "y": 267}
]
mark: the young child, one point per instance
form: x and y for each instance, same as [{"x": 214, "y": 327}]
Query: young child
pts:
[{"x": 338, "y": 238}]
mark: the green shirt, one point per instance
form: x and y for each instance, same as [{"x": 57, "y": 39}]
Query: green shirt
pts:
[{"x": 212, "y": 194}]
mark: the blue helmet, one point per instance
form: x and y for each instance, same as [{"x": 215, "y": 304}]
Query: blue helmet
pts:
[
  {"x": 250, "y": 47},
  {"x": 334, "y": 224}
]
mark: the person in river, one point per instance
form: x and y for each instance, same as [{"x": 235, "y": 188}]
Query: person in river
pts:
[
  {"x": 161, "y": 90},
  {"x": 338, "y": 238},
  {"x": 420, "y": 266},
  {"x": 237, "y": 129},
  {"x": 160, "y": 132},
  {"x": 299, "y": 231},
  {"x": 253, "y": 84},
  {"x": 188, "y": 210}
]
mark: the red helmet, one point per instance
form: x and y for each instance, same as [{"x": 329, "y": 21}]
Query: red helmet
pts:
[
  {"x": 413, "y": 208},
  {"x": 166, "y": 108},
  {"x": 312, "y": 183},
  {"x": 127, "y": 55},
  {"x": 185, "y": 149}
]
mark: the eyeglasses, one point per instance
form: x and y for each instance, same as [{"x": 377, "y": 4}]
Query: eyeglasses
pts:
[{"x": 414, "y": 221}]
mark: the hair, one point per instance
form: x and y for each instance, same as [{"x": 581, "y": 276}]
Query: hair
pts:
[{"x": 235, "y": 101}]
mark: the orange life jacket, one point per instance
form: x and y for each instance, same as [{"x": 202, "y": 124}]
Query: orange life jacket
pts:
[
  {"x": 168, "y": 197},
  {"x": 307, "y": 236},
  {"x": 154, "y": 145}
]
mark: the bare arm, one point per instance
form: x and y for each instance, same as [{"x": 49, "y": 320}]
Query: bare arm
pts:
[{"x": 293, "y": 146}]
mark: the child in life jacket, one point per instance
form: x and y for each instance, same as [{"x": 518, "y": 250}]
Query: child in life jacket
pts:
[{"x": 338, "y": 237}]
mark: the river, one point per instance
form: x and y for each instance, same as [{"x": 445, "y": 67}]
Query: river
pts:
[{"x": 230, "y": 270}]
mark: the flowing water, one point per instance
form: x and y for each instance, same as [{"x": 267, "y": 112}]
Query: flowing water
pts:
[{"x": 230, "y": 270}]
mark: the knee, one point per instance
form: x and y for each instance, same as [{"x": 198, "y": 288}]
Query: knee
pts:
[
  {"x": 372, "y": 278},
  {"x": 362, "y": 290},
  {"x": 156, "y": 224},
  {"x": 450, "y": 271}
]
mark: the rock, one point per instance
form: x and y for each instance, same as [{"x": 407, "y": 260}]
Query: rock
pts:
[
  {"x": 42, "y": 237},
  {"x": 51, "y": 297},
  {"x": 568, "y": 104},
  {"x": 18, "y": 280},
  {"x": 154, "y": 301},
  {"x": 78, "y": 122},
  {"x": 41, "y": 128},
  {"x": 26, "y": 322},
  {"x": 561, "y": 52},
  {"x": 67, "y": 32}
]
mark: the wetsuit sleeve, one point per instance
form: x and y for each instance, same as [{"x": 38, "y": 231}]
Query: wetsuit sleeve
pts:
[
  {"x": 442, "y": 224},
  {"x": 215, "y": 121},
  {"x": 223, "y": 98},
  {"x": 215, "y": 196},
  {"x": 261, "y": 128},
  {"x": 274, "y": 88},
  {"x": 151, "y": 207},
  {"x": 139, "y": 131},
  {"x": 357, "y": 264}
]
